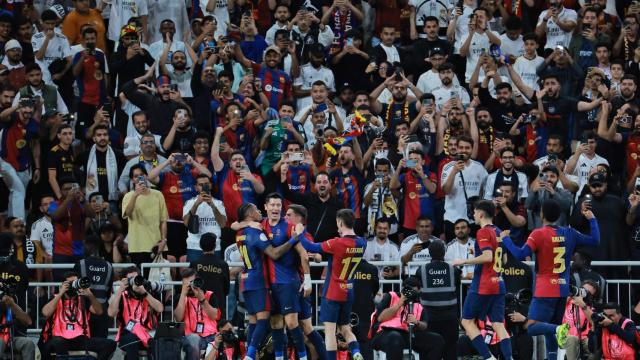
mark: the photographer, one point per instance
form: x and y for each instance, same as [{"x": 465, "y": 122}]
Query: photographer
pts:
[
  {"x": 226, "y": 345},
  {"x": 135, "y": 309},
  {"x": 13, "y": 323},
  {"x": 198, "y": 309},
  {"x": 577, "y": 314},
  {"x": 67, "y": 326},
  {"x": 399, "y": 316},
  {"x": 616, "y": 334}
]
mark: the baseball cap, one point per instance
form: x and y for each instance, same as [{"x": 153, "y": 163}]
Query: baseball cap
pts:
[
  {"x": 597, "y": 179},
  {"x": 437, "y": 51},
  {"x": 12, "y": 44},
  {"x": 344, "y": 87},
  {"x": 273, "y": 48}
]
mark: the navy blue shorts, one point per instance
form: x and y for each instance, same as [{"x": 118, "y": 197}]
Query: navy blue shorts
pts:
[
  {"x": 338, "y": 312},
  {"x": 305, "y": 308},
  {"x": 547, "y": 310},
  {"x": 285, "y": 298},
  {"x": 256, "y": 301},
  {"x": 478, "y": 306}
]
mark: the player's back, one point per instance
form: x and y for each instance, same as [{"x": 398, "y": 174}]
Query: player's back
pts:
[
  {"x": 251, "y": 245},
  {"x": 487, "y": 277},
  {"x": 345, "y": 253},
  {"x": 284, "y": 269},
  {"x": 553, "y": 247}
]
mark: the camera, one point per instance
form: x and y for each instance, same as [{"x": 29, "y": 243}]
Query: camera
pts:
[
  {"x": 81, "y": 283},
  {"x": 582, "y": 292},
  {"x": 528, "y": 119},
  {"x": 516, "y": 302},
  {"x": 196, "y": 283},
  {"x": 229, "y": 337},
  {"x": 8, "y": 287},
  {"x": 398, "y": 73},
  {"x": 151, "y": 286},
  {"x": 411, "y": 294},
  {"x": 137, "y": 280},
  {"x": 598, "y": 317}
]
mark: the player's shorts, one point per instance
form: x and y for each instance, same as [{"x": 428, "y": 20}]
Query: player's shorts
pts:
[
  {"x": 338, "y": 312},
  {"x": 305, "y": 311},
  {"x": 478, "y": 306},
  {"x": 285, "y": 298},
  {"x": 548, "y": 310},
  {"x": 256, "y": 301}
]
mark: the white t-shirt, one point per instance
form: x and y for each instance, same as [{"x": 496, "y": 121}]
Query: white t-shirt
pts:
[
  {"x": 221, "y": 13},
  {"x": 457, "y": 250},
  {"x": 443, "y": 94},
  {"x": 423, "y": 255},
  {"x": 271, "y": 33},
  {"x": 160, "y": 10},
  {"x": 308, "y": 125},
  {"x": 392, "y": 53},
  {"x": 583, "y": 168},
  {"x": 527, "y": 70},
  {"x": 309, "y": 75},
  {"x": 232, "y": 254},
  {"x": 479, "y": 43},
  {"x": 132, "y": 144},
  {"x": 523, "y": 184},
  {"x": 462, "y": 28},
  {"x": 555, "y": 35},
  {"x": 42, "y": 230},
  {"x": 455, "y": 204},
  {"x": 121, "y": 12},
  {"x": 511, "y": 47},
  {"x": 57, "y": 48},
  {"x": 429, "y": 81},
  {"x": 156, "y": 49},
  {"x": 207, "y": 220},
  {"x": 375, "y": 251}
]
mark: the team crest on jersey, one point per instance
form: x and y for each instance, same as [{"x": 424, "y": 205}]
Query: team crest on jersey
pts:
[
  {"x": 282, "y": 79},
  {"x": 21, "y": 143},
  {"x": 173, "y": 189},
  {"x": 418, "y": 186},
  {"x": 263, "y": 237},
  {"x": 412, "y": 195}
]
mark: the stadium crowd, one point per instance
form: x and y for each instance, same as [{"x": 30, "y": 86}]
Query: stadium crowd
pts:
[{"x": 286, "y": 132}]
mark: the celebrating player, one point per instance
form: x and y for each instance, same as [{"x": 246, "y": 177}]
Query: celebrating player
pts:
[
  {"x": 345, "y": 253},
  {"x": 253, "y": 245},
  {"x": 486, "y": 295},
  {"x": 554, "y": 247}
]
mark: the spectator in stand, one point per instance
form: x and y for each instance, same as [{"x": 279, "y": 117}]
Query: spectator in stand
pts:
[
  {"x": 148, "y": 158},
  {"x": 584, "y": 160},
  {"x": 179, "y": 70},
  {"x": 510, "y": 211},
  {"x": 379, "y": 201},
  {"x": 68, "y": 214},
  {"x": 146, "y": 212},
  {"x": 415, "y": 247},
  {"x": 380, "y": 248},
  {"x": 130, "y": 58},
  {"x": 121, "y": 12},
  {"x": 506, "y": 173},
  {"x": 133, "y": 141},
  {"x": 627, "y": 41},
  {"x": 347, "y": 179},
  {"x": 36, "y": 87},
  {"x": 181, "y": 136},
  {"x": 49, "y": 46},
  {"x": 42, "y": 230},
  {"x": 547, "y": 186},
  {"x": 557, "y": 24},
  {"x": 462, "y": 247},
  {"x": 13, "y": 62},
  {"x": 6, "y": 23},
  {"x": 83, "y": 14},
  {"x": 210, "y": 215}
]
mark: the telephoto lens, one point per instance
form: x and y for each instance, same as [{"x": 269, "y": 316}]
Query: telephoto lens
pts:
[
  {"x": 197, "y": 283},
  {"x": 81, "y": 283},
  {"x": 138, "y": 280},
  {"x": 154, "y": 286}
]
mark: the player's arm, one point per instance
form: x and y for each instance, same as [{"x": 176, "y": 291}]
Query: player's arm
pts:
[
  {"x": 304, "y": 261},
  {"x": 485, "y": 257},
  {"x": 593, "y": 239},
  {"x": 309, "y": 246},
  {"x": 277, "y": 252},
  {"x": 520, "y": 253}
]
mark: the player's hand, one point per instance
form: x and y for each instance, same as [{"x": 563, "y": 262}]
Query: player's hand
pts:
[
  {"x": 588, "y": 214},
  {"x": 299, "y": 229},
  {"x": 505, "y": 233}
]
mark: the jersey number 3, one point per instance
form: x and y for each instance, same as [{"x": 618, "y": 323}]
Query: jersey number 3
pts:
[
  {"x": 346, "y": 263},
  {"x": 559, "y": 263}
]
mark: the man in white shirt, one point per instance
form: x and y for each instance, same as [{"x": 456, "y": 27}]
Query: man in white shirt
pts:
[
  {"x": 311, "y": 72},
  {"x": 49, "y": 46},
  {"x": 449, "y": 89},
  {"x": 232, "y": 255},
  {"x": 527, "y": 65},
  {"x": 554, "y": 147},
  {"x": 462, "y": 247},
  {"x": 584, "y": 160},
  {"x": 507, "y": 172},
  {"x": 421, "y": 9},
  {"x": 477, "y": 42},
  {"x": 281, "y": 16},
  {"x": 141, "y": 126},
  {"x": 42, "y": 229},
  {"x": 416, "y": 246},
  {"x": 319, "y": 97},
  {"x": 458, "y": 28},
  {"x": 557, "y": 24},
  {"x": 461, "y": 180},
  {"x": 156, "y": 48},
  {"x": 380, "y": 248},
  {"x": 174, "y": 11},
  {"x": 429, "y": 81},
  {"x": 211, "y": 217}
]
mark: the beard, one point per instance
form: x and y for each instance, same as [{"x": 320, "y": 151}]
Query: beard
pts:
[
  {"x": 180, "y": 65},
  {"x": 446, "y": 81},
  {"x": 483, "y": 125}
]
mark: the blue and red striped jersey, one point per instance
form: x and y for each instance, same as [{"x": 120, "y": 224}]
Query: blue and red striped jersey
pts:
[
  {"x": 233, "y": 191},
  {"x": 285, "y": 269},
  {"x": 251, "y": 245},
  {"x": 349, "y": 188},
  {"x": 417, "y": 199},
  {"x": 345, "y": 253},
  {"x": 15, "y": 138},
  {"x": 276, "y": 84},
  {"x": 487, "y": 277},
  {"x": 177, "y": 189}
]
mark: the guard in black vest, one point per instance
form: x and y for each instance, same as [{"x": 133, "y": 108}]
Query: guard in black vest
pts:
[
  {"x": 100, "y": 272},
  {"x": 439, "y": 295}
]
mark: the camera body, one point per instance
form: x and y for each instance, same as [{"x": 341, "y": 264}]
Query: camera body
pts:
[
  {"x": 8, "y": 287},
  {"x": 598, "y": 317},
  {"x": 411, "y": 294},
  {"x": 516, "y": 302},
  {"x": 196, "y": 283}
]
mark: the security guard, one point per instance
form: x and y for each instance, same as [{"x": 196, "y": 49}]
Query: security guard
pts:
[
  {"x": 100, "y": 272},
  {"x": 440, "y": 290}
]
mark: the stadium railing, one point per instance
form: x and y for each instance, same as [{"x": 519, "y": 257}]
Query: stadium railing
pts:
[{"x": 619, "y": 289}]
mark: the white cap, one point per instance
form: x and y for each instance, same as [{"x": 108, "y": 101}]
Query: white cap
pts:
[{"x": 12, "y": 44}]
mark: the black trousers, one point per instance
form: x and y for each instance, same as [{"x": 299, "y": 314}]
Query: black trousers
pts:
[
  {"x": 449, "y": 331},
  {"x": 61, "y": 346},
  {"x": 393, "y": 342}
]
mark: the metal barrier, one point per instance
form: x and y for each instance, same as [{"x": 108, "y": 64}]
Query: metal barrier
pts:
[{"x": 615, "y": 287}]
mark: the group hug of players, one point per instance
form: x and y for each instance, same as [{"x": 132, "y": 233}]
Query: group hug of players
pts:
[{"x": 275, "y": 287}]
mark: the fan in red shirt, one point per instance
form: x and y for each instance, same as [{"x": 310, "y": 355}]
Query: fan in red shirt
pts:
[{"x": 486, "y": 295}]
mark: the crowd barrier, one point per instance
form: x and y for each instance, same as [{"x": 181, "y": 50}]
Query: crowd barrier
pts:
[{"x": 619, "y": 289}]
